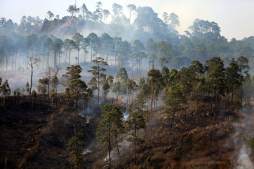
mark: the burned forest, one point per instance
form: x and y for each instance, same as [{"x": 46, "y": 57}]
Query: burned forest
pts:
[{"x": 106, "y": 85}]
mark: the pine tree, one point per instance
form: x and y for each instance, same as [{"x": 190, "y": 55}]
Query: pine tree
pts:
[
  {"x": 43, "y": 85},
  {"x": 75, "y": 87},
  {"x": 234, "y": 79},
  {"x": 75, "y": 147},
  {"x": 136, "y": 121},
  {"x": 109, "y": 128},
  {"x": 155, "y": 83},
  {"x": 98, "y": 71},
  {"x": 216, "y": 77}
]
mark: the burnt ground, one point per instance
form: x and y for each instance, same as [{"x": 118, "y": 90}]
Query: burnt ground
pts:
[
  {"x": 189, "y": 140},
  {"x": 35, "y": 136}
]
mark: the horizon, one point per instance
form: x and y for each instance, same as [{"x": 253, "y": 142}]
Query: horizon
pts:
[{"x": 213, "y": 10}]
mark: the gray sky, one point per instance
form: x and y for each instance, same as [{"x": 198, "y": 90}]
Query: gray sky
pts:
[{"x": 233, "y": 16}]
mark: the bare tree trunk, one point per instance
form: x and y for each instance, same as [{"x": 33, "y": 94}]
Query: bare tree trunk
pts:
[
  {"x": 48, "y": 59},
  {"x": 109, "y": 147},
  {"x": 69, "y": 57},
  {"x": 59, "y": 58},
  {"x": 55, "y": 62},
  {"x": 16, "y": 61},
  {"x": 135, "y": 144},
  {"x": 98, "y": 84},
  {"x": 6, "y": 63},
  {"x": 84, "y": 57},
  {"x": 117, "y": 146},
  {"x": 91, "y": 52},
  {"x": 31, "y": 79},
  {"x": 78, "y": 56}
]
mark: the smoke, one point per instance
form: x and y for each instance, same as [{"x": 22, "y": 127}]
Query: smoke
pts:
[
  {"x": 244, "y": 132},
  {"x": 243, "y": 161},
  {"x": 123, "y": 149}
]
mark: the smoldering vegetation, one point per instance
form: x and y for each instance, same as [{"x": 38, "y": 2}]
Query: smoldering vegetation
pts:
[{"x": 191, "y": 117}]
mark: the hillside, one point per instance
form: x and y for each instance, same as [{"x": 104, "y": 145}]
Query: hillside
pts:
[{"x": 37, "y": 138}]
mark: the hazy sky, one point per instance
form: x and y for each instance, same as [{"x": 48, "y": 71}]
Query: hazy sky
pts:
[{"x": 233, "y": 16}]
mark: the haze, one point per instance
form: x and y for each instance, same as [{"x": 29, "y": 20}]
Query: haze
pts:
[{"x": 231, "y": 15}]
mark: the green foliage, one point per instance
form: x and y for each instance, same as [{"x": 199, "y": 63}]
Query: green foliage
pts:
[
  {"x": 132, "y": 86},
  {"x": 213, "y": 80},
  {"x": 250, "y": 142},
  {"x": 216, "y": 77},
  {"x": 33, "y": 94},
  {"x": 136, "y": 118},
  {"x": 99, "y": 77},
  {"x": 75, "y": 87},
  {"x": 75, "y": 147},
  {"x": 43, "y": 85},
  {"x": 109, "y": 128},
  {"x": 111, "y": 121},
  {"x": 155, "y": 82},
  {"x": 234, "y": 78},
  {"x": 54, "y": 83},
  {"x": 165, "y": 46},
  {"x": 174, "y": 98},
  {"x": 155, "y": 85}
]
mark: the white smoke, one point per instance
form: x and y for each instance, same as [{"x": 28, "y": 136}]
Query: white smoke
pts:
[
  {"x": 243, "y": 161},
  {"x": 244, "y": 133}
]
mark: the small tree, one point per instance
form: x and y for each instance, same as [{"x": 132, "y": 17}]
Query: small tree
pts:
[
  {"x": 106, "y": 86},
  {"x": 76, "y": 88},
  {"x": 50, "y": 15},
  {"x": 75, "y": 147},
  {"x": 31, "y": 63},
  {"x": 27, "y": 89},
  {"x": 136, "y": 121},
  {"x": 234, "y": 79},
  {"x": 54, "y": 83},
  {"x": 5, "y": 88},
  {"x": 109, "y": 128},
  {"x": 155, "y": 83},
  {"x": 1, "y": 90},
  {"x": 78, "y": 38},
  {"x": 216, "y": 77},
  {"x": 43, "y": 85},
  {"x": 174, "y": 97},
  {"x": 121, "y": 82},
  {"x": 98, "y": 71},
  {"x": 72, "y": 9},
  {"x": 132, "y": 87}
]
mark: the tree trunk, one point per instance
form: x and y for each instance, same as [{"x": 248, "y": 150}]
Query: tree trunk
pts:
[
  {"x": 135, "y": 144},
  {"x": 91, "y": 53},
  {"x": 98, "y": 85},
  {"x": 69, "y": 57},
  {"x": 55, "y": 60},
  {"x": 31, "y": 79},
  {"x": 48, "y": 60},
  {"x": 109, "y": 147},
  {"x": 59, "y": 58},
  {"x": 117, "y": 146},
  {"x": 78, "y": 56}
]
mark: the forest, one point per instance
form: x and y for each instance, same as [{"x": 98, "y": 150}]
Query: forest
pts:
[
  {"x": 142, "y": 35},
  {"x": 102, "y": 89}
]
